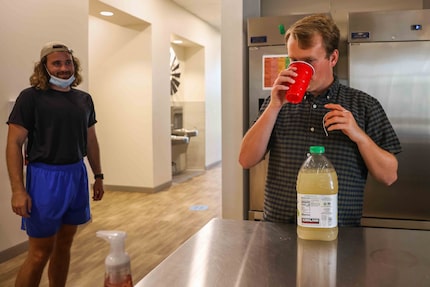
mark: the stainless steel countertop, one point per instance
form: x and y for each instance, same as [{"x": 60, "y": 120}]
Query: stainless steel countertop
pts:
[{"x": 252, "y": 253}]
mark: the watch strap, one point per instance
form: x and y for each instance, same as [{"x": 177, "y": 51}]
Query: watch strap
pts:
[{"x": 98, "y": 175}]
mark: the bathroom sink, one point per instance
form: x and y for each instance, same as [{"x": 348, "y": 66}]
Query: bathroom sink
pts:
[
  {"x": 176, "y": 140},
  {"x": 185, "y": 132}
]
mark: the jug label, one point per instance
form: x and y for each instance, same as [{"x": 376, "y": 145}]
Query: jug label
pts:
[{"x": 315, "y": 210}]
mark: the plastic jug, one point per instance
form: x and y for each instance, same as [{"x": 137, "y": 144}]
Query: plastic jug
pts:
[{"x": 317, "y": 189}]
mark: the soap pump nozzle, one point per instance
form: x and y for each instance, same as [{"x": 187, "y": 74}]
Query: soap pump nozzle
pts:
[{"x": 117, "y": 263}]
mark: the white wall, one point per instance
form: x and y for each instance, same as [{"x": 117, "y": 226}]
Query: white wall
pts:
[
  {"x": 233, "y": 93},
  {"x": 164, "y": 16},
  {"x": 213, "y": 103},
  {"x": 121, "y": 86},
  {"x": 191, "y": 96},
  {"x": 24, "y": 27}
]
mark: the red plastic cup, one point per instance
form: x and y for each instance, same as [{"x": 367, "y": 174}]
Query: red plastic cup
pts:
[{"x": 304, "y": 71}]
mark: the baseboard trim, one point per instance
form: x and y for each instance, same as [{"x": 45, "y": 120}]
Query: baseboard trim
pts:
[
  {"x": 212, "y": 165},
  {"x": 149, "y": 189},
  {"x": 138, "y": 188},
  {"x": 13, "y": 251}
]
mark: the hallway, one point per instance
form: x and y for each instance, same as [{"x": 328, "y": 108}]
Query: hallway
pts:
[{"x": 156, "y": 224}]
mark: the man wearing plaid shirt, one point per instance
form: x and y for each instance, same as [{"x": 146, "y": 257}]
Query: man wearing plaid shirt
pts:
[{"x": 351, "y": 125}]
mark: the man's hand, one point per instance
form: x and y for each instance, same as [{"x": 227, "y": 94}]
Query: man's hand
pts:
[
  {"x": 21, "y": 203},
  {"x": 98, "y": 189},
  {"x": 341, "y": 119},
  {"x": 279, "y": 87}
]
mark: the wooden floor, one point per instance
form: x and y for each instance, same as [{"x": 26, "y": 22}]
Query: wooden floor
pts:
[{"x": 156, "y": 224}]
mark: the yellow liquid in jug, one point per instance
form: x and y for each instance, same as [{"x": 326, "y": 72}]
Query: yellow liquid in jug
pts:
[{"x": 309, "y": 182}]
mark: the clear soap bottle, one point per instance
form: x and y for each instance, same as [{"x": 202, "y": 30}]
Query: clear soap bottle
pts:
[{"x": 117, "y": 263}]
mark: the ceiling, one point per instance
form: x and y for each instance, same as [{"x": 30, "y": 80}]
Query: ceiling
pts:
[
  {"x": 207, "y": 10},
  {"x": 119, "y": 17}
]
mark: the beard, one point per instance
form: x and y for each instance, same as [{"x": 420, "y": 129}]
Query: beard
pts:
[{"x": 63, "y": 75}]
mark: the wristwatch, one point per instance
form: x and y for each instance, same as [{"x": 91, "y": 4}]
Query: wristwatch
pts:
[{"x": 99, "y": 175}]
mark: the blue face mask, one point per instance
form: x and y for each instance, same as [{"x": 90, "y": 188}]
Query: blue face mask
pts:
[{"x": 62, "y": 83}]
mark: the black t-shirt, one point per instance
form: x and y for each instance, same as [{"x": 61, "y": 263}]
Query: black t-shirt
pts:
[{"x": 57, "y": 124}]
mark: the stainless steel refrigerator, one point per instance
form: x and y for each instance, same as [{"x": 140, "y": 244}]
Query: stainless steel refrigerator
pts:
[{"x": 389, "y": 58}]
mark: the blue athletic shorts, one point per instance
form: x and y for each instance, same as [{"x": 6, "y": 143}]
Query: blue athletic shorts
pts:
[{"x": 59, "y": 195}]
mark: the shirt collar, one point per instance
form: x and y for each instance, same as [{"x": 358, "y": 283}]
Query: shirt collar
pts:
[{"x": 328, "y": 95}]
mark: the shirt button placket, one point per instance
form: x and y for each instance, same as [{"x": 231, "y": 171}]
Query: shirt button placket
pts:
[{"x": 314, "y": 106}]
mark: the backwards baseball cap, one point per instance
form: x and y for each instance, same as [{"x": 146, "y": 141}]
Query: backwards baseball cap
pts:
[{"x": 55, "y": 46}]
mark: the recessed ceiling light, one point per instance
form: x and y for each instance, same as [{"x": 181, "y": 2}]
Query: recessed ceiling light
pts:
[
  {"x": 106, "y": 13},
  {"x": 177, "y": 41}
]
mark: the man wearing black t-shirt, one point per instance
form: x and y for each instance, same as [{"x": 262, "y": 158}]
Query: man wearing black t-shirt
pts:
[{"x": 56, "y": 124}]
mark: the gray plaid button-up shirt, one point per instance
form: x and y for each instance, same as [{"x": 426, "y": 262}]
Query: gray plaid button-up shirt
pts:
[{"x": 300, "y": 126}]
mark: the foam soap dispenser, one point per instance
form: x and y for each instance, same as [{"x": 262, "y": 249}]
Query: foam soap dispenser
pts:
[{"x": 117, "y": 263}]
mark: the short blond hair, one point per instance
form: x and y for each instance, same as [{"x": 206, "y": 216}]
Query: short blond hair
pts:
[{"x": 306, "y": 28}]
